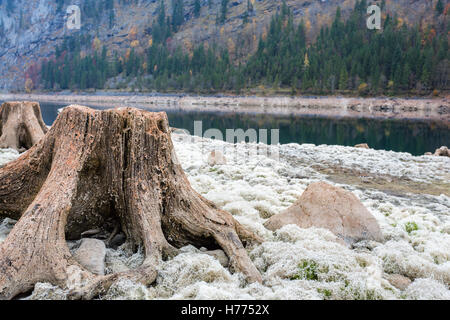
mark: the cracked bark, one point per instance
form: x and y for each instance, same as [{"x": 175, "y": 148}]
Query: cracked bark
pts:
[{"x": 97, "y": 166}]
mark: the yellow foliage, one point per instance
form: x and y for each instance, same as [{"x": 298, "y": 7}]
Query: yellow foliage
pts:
[
  {"x": 188, "y": 45},
  {"x": 308, "y": 25},
  {"x": 264, "y": 34},
  {"x": 222, "y": 30},
  {"x": 127, "y": 54},
  {"x": 135, "y": 43},
  {"x": 362, "y": 86},
  {"x": 306, "y": 61},
  {"x": 133, "y": 33},
  {"x": 150, "y": 42},
  {"x": 144, "y": 66},
  {"x": 97, "y": 43},
  {"x": 29, "y": 85}
]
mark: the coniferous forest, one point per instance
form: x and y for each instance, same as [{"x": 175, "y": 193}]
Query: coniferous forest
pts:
[{"x": 346, "y": 57}]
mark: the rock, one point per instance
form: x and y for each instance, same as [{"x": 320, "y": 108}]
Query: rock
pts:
[
  {"x": 91, "y": 255},
  {"x": 325, "y": 206},
  {"x": 362, "y": 146},
  {"x": 216, "y": 157},
  {"x": 117, "y": 240},
  {"x": 398, "y": 281},
  {"x": 442, "y": 152},
  {"x": 47, "y": 291},
  {"x": 428, "y": 154},
  {"x": 220, "y": 256}
]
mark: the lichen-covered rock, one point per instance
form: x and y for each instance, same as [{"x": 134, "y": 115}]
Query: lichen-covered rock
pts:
[
  {"x": 219, "y": 255},
  {"x": 442, "y": 152},
  {"x": 216, "y": 157},
  {"x": 325, "y": 206},
  {"x": 398, "y": 281},
  {"x": 125, "y": 289},
  {"x": 91, "y": 255},
  {"x": 47, "y": 291}
]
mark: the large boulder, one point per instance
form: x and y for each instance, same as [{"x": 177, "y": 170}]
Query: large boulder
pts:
[
  {"x": 91, "y": 255},
  {"x": 325, "y": 206}
]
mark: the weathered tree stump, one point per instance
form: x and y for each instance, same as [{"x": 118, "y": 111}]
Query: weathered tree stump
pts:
[
  {"x": 98, "y": 166},
  {"x": 21, "y": 125}
]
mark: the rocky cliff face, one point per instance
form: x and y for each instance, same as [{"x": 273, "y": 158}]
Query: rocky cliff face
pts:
[{"x": 30, "y": 29}]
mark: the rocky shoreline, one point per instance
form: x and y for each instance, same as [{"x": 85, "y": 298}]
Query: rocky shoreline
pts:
[
  {"x": 314, "y": 236},
  {"x": 396, "y": 108}
]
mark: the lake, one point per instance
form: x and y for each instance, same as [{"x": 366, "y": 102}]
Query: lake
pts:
[{"x": 409, "y": 135}]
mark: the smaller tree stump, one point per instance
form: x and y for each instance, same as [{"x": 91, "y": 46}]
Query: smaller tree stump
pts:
[{"x": 21, "y": 125}]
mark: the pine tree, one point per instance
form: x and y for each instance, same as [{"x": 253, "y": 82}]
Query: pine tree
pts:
[
  {"x": 161, "y": 27},
  {"x": 223, "y": 11},
  {"x": 177, "y": 14},
  {"x": 197, "y": 8},
  {"x": 439, "y": 7},
  {"x": 343, "y": 79}
]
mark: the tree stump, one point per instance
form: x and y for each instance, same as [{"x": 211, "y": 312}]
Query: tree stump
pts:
[
  {"x": 98, "y": 166},
  {"x": 21, "y": 125}
]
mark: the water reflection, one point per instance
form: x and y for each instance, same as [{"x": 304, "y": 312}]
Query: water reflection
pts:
[{"x": 413, "y": 136}]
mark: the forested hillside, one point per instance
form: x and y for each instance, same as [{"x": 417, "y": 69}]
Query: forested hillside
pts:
[
  {"x": 345, "y": 57},
  {"x": 241, "y": 46}
]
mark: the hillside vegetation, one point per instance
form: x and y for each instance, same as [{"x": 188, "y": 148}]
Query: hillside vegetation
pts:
[{"x": 252, "y": 46}]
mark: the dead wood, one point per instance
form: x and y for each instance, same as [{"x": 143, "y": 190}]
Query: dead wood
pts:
[{"x": 96, "y": 169}]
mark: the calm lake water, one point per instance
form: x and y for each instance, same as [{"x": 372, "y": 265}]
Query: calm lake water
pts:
[{"x": 413, "y": 136}]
